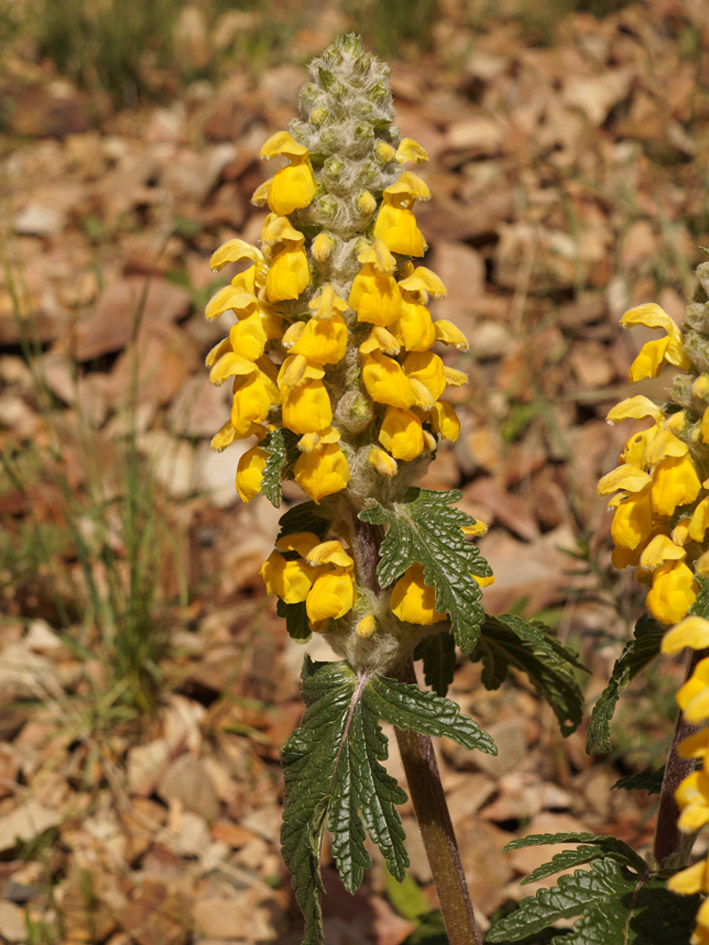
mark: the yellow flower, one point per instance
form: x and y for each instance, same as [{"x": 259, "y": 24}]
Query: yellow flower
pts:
[
  {"x": 292, "y": 187},
  {"x": 654, "y": 354},
  {"x": 416, "y": 326},
  {"x": 412, "y": 600},
  {"x": 693, "y": 696},
  {"x": 386, "y": 382},
  {"x": 322, "y": 472},
  {"x": 306, "y": 409},
  {"x": 396, "y": 223},
  {"x": 375, "y": 296},
  {"x": 324, "y": 342},
  {"x": 290, "y": 580},
  {"x": 674, "y": 483},
  {"x": 401, "y": 434},
  {"x": 427, "y": 368},
  {"x": 673, "y": 592},
  {"x": 254, "y": 395},
  {"x": 249, "y": 473},
  {"x": 332, "y": 595},
  {"x": 632, "y": 522},
  {"x": 445, "y": 420},
  {"x": 288, "y": 274},
  {"x": 692, "y": 798},
  {"x": 694, "y": 879}
]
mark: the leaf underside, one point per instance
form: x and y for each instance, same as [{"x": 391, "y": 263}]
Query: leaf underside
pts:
[
  {"x": 439, "y": 660},
  {"x": 532, "y": 647},
  {"x": 334, "y": 775},
  {"x": 426, "y": 529},
  {"x": 280, "y": 444}
]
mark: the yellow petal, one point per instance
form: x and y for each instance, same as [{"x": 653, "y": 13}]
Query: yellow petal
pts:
[
  {"x": 248, "y": 337},
  {"x": 410, "y": 150},
  {"x": 674, "y": 483},
  {"x": 307, "y": 409},
  {"x": 401, "y": 434},
  {"x": 413, "y": 601},
  {"x": 332, "y": 595},
  {"x": 329, "y": 552},
  {"x": 322, "y": 472},
  {"x": 664, "y": 444},
  {"x": 445, "y": 420},
  {"x": 650, "y": 360},
  {"x": 409, "y": 186},
  {"x": 632, "y": 522},
  {"x": 323, "y": 342},
  {"x": 397, "y": 227},
  {"x": 366, "y": 626},
  {"x": 673, "y": 592},
  {"x": 660, "y": 550},
  {"x": 230, "y": 365},
  {"x": 230, "y": 297},
  {"x": 288, "y": 275},
  {"x": 224, "y": 437},
  {"x": 297, "y": 370},
  {"x": 234, "y": 251},
  {"x": 249, "y": 473},
  {"x": 380, "y": 339},
  {"x": 416, "y": 327},
  {"x": 292, "y": 188},
  {"x": 301, "y": 542},
  {"x": 427, "y": 368},
  {"x": 651, "y": 315},
  {"x": 423, "y": 279},
  {"x": 375, "y": 296},
  {"x": 386, "y": 383},
  {"x": 252, "y": 401},
  {"x": 449, "y": 334},
  {"x": 700, "y": 520},
  {"x": 635, "y": 408},
  {"x": 627, "y": 477},
  {"x": 289, "y": 580},
  {"x": 691, "y": 880},
  {"x": 282, "y": 143},
  {"x": 692, "y": 632}
]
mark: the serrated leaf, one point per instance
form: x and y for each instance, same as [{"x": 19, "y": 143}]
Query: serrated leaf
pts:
[
  {"x": 296, "y": 617},
  {"x": 280, "y": 444},
  {"x": 438, "y": 655},
  {"x": 650, "y": 781},
  {"x": 309, "y": 757},
  {"x": 426, "y": 529},
  {"x": 532, "y": 647},
  {"x": 617, "y": 905},
  {"x": 700, "y": 607},
  {"x": 334, "y": 775},
  {"x": 610, "y": 846},
  {"x": 640, "y": 651},
  {"x": 408, "y": 707}
]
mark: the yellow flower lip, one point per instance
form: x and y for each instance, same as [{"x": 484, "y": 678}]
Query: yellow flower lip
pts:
[
  {"x": 449, "y": 334},
  {"x": 410, "y": 150},
  {"x": 408, "y": 186},
  {"x": 379, "y": 256},
  {"x": 423, "y": 279},
  {"x": 279, "y": 229},
  {"x": 282, "y": 143},
  {"x": 660, "y": 550},
  {"x": 230, "y": 297},
  {"x": 382, "y": 462},
  {"x": 301, "y": 542},
  {"x": 234, "y": 251},
  {"x": 635, "y": 408},
  {"x": 229, "y": 365},
  {"x": 627, "y": 477},
  {"x": 665, "y": 444},
  {"x": 327, "y": 304},
  {"x": 692, "y": 632},
  {"x": 329, "y": 552},
  {"x": 651, "y": 315}
]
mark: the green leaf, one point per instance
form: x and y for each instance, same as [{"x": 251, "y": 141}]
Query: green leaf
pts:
[
  {"x": 334, "y": 775},
  {"x": 700, "y": 607},
  {"x": 592, "y": 847},
  {"x": 650, "y": 781},
  {"x": 438, "y": 654},
  {"x": 408, "y": 707},
  {"x": 281, "y": 446},
  {"x": 637, "y": 653},
  {"x": 425, "y": 529},
  {"x": 533, "y": 648},
  {"x": 616, "y": 907},
  {"x": 297, "y": 623},
  {"x": 305, "y": 517},
  {"x": 309, "y": 757}
]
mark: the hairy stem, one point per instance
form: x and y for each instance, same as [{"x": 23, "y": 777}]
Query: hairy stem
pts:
[
  {"x": 669, "y": 841},
  {"x": 436, "y": 828}
]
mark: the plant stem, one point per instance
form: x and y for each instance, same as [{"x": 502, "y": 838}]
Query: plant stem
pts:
[
  {"x": 668, "y": 839},
  {"x": 436, "y": 828}
]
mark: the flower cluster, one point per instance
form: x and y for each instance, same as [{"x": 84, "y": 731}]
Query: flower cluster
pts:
[
  {"x": 660, "y": 525},
  {"x": 661, "y": 498},
  {"x": 332, "y": 346}
]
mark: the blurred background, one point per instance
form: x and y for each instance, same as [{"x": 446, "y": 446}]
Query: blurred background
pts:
[{"x": 146, "y": 684}]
